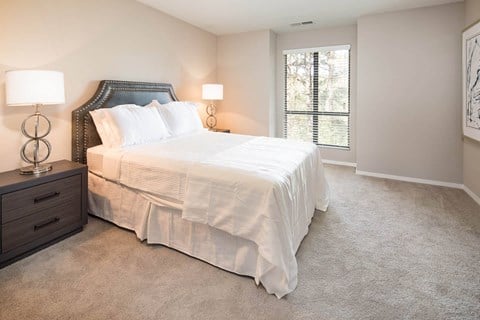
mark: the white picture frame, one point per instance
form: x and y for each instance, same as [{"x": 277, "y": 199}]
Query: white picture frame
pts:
[{"x": 471, "y": 81}]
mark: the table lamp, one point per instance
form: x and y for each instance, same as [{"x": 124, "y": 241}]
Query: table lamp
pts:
[
  {"x": 212, "y": 92},
  {"x": 37, "y": 88}
]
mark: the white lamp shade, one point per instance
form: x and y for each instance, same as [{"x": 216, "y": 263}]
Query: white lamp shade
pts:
[
  {"x": 212, "y": 92},
  {"x": 30, "y": 87}
]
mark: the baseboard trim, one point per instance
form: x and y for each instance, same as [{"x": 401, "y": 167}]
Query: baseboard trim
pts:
[
  {"x": 475, "y": 197},
  {"x": 472, "y": 194},
  {"x": 410, "y": 179},
  {"x": 340, "y": 163}
]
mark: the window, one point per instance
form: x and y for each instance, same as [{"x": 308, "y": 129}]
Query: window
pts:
[{"x": 317, "y": 96}]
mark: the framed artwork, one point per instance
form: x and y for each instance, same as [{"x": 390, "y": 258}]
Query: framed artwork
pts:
[{"x": 471, "y": 81}]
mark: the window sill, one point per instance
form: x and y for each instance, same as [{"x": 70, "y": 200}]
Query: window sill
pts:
[{"x": 334, "y": 147}]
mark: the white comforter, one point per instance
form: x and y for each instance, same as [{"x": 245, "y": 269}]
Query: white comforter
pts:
[{"x": 261, "y": 189}]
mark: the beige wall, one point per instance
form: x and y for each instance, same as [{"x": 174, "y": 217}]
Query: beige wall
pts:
[
  {"x": 244, "y": 67},
  {"x": 409, "y": 93},
  {"x": 312, "y": 39},
  {"x": 472, "y": 12},
  {"x": 471, "y": 148},
  {"x": 89, "y": 41}
]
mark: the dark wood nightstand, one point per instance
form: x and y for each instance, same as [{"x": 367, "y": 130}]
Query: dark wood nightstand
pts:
[
  {"x": 220, "y": 130},
  {"x": 37, "y": 211}
]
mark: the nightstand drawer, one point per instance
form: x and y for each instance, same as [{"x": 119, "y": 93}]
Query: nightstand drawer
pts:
[
  {"x": 22, "y": 203},
  {"x": 35, "y": 226}
]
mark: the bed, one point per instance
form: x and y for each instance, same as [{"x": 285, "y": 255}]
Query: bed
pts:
[{"x": 241, "y": 203}]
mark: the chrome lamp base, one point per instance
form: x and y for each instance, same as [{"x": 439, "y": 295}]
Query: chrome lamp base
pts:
[
  {"x": 211, "y": 120},
  {"x": 36, "y": 139},
  {"x": 36, "y": 169}
]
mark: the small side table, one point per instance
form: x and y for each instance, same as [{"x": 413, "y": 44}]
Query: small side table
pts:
[{"x": 37, "y": 211}]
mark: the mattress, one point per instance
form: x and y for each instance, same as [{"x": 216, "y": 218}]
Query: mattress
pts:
[
  {"x": 159, "y": 169},
  {"x": 95, "y": 159}
]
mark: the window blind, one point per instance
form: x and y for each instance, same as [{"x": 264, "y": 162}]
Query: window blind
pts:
[{"x": 317, "y": 95}]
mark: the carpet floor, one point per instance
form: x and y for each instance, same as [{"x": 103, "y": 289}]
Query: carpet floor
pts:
[{"x": 383, "y": 250}]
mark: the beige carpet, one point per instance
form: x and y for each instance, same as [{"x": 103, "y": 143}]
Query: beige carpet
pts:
[{"x": 384, "y": 250}]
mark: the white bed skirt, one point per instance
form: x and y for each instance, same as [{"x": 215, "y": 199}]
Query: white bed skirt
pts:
[{"x": 157, "y": 224}]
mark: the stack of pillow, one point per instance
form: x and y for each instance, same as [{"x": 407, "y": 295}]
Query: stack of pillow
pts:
[{"x": 130, "y": 124}]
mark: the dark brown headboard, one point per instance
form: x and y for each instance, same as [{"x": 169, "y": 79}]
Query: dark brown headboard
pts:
[{"x": 111, "y": 93}]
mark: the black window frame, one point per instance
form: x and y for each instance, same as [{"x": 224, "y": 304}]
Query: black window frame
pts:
[{"x": 315, "y": 113}]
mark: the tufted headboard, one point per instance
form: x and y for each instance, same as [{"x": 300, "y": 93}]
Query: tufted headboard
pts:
[{"x": 111, "y": 93}]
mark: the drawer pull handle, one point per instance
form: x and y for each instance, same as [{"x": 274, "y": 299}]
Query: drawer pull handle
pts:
[
  {"x": 46, "y": 197},
  {"x": 46, "y": 223}
]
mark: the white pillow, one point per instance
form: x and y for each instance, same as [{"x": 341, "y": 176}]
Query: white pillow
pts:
[
  {"x": 102, "y": 123},
  {"x": 180, "y": 117},
  {"x": 131, "y": 126}
]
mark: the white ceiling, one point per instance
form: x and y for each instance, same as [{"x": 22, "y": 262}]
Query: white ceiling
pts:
[{"x": 234, "y": 16}]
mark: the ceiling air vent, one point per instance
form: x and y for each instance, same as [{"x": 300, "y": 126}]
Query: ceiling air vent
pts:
[{"x": 303, "y": 23}]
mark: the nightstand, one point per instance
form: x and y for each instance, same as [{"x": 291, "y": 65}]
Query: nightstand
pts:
[
  {"x": 37, "y": 211},
  {"x": 220, "y": 130}
]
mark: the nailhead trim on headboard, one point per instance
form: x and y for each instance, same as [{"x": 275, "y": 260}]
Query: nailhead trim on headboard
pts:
[{"x": 124, "y": 91}]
